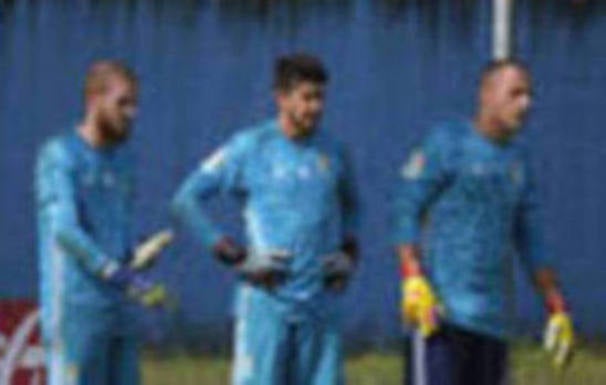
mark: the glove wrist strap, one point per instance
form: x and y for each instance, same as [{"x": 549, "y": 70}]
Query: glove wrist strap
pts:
[
  {"x": 409, "y": 270},
  {"x": 555, "y": 303}
]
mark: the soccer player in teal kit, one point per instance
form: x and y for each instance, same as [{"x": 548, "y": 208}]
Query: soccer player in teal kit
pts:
[
  {"x": 300, "y": 211},
  {"x": 84, "y": 192},
  {"x": 471, "y": 186}
]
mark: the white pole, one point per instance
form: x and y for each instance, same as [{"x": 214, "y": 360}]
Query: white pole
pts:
[{"x": 502, "y": 29}]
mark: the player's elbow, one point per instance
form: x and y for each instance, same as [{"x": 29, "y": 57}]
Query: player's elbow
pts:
[
  {"x": 182, "y": 204},
  {"x": 64, "y": 234}
]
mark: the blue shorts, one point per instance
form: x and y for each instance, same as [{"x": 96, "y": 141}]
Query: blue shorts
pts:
[{"x": 456, "y": 357}]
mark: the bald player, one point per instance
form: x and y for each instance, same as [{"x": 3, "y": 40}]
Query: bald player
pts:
[
  {"x": 466, "y": 201},
  {"x": 84, "y": 191}
]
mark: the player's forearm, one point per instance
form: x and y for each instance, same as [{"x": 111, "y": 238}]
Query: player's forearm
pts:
[
  {"x": 76, "y": 242},
  {"x": 547, "y": 284},
  {"x": 410, "y": 260}
]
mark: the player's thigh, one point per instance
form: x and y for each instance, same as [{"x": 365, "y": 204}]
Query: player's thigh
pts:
[
  {"x": 490, "y": 363},
  {"x": 318, "y": 358},
  {"x": 124, "y": 361},
  {"x": 78, "y": 355},
  {"x": 261, "y": 348},
  {"x": 432, "y": 361}
]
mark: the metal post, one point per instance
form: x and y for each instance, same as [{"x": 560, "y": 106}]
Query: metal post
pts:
[{"x": 502, "y": 31}]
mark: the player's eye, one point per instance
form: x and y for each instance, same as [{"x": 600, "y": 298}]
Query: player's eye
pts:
[{"x": 126, "y": 101}]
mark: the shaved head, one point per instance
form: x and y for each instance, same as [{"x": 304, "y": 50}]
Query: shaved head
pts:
[
  {"x": 505, "y": 96},
  {"x": 102, "y": 72},
  {"x": 494, "y": 68}
]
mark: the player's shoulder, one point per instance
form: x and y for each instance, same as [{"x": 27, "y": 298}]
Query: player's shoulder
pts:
[
  {"x": 449, "y": 132},
  {"x": 251, "y": 137},
  {"x": 447, "y": 137},
  {"x": 330, "y": 143},
  {"x": 58, "y": 149}
]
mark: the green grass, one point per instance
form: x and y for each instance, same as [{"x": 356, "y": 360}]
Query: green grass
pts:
[{"x": 529, "y": 367}]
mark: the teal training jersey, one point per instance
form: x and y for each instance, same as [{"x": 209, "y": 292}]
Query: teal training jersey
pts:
[
  {"x": 84, "y": 200},
  {"x": 471, "y": 203},
  {"x": 298, "y": 196}
]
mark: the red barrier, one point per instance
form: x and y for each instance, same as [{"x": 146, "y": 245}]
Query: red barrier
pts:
[{"x": 21, "y": 353}]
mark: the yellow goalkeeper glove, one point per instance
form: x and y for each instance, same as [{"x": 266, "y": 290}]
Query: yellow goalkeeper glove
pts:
[
  {"x": 153, "y": 297},
  {"x": 420, "y": 306},
  {"x": 559, "y": 336}
]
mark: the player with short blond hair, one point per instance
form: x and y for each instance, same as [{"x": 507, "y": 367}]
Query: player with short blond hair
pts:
[{"x": 84, "y": 194}]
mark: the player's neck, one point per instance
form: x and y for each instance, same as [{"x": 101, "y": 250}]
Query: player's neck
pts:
[{"x": 491, "y": 129}]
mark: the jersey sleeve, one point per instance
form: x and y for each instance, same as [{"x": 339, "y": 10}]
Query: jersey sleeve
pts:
[
  {"x": 528, "y": 225},
  {"x": 420, "y": 180},
  {"x": 220, "y": 173},
  {"x": 348, "y": 191},
  {"x": 56, "y": 199}
]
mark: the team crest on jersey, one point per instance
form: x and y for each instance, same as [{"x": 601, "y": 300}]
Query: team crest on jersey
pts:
[
  {"x": 415, "y": 165},
  {"x": 214, "y": 161},
  {"x": 323, "y": 162},
  {"x": 278, "y": 171}
]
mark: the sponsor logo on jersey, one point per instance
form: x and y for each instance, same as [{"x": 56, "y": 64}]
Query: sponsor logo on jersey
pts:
[
  {"x": 278, "y": 171},
  {"x": 415, "y": 165},
  {"x": 323, "y": 163},
  {"x": 214, "y": 161}
]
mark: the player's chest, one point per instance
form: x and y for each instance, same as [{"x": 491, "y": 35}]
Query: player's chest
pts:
[
  {"x": 497, "y": 177},
  {"x": 293, "y": 171},
  {"x": 103, "y": 178}
]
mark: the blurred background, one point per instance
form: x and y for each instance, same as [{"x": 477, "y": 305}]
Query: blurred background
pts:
[{"x": 397, "y": 67}]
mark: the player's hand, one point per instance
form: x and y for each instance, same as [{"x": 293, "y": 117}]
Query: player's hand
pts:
[
  {"x": 338, "y": 267},
  {"x": 228, "y": 252},
  {"x": 559, "y": 332},
  {"x": 268, "y": 268},
  {"x": 147, "y": 253},
  {"x": 420, "y": 306},
  {"x": 147, "y": 293},
  {"x": 136, "y": 286}
]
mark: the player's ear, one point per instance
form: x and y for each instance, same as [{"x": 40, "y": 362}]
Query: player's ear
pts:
[{"x": 280, "y": 95}]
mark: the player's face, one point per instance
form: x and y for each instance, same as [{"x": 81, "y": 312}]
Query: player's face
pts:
[
  {"x": 303, "y": 104},
  {"x": 508, "y": 97},
  {"x": 116, "y": 108}
]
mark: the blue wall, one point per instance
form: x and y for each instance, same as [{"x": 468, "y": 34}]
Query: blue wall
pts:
[{"x": 397, "y": 67}]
